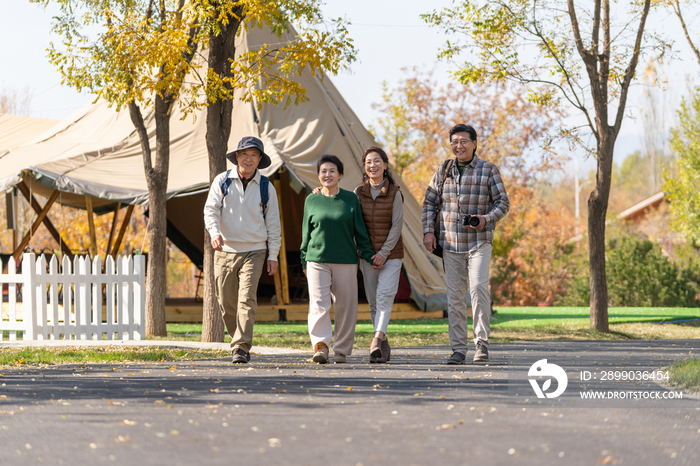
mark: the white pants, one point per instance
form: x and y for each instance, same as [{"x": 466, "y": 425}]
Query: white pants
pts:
[
  {"x": 381, "y": 287},
  {"x": 332, "y": 284},
  {"x": 469, "y": 271}
]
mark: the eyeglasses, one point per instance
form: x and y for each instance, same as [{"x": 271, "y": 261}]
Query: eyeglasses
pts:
[{"x": 460, "y": 142}]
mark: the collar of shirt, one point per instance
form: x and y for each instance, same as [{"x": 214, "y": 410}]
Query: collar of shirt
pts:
[{"x": 245, "y": 181}]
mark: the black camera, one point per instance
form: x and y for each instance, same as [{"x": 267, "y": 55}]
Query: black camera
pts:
[{"x": 472, "y": 220}]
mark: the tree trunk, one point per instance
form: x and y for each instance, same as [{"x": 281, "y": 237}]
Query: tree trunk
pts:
[
  {"x": 597, "y": 210},
  {"x": 157, "y": 179},
  {"x": 221, "y": 50}
]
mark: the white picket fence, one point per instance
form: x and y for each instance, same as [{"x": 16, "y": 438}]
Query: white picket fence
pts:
[{"x": 76, "y": 303}]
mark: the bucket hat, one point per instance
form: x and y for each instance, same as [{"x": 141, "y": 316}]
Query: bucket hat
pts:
[{"x": 251, "y": 142}]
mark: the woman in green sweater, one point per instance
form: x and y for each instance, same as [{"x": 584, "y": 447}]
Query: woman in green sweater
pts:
[{"x": 332, "y": 232}]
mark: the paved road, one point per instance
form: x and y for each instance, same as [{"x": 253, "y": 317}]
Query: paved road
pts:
[{"x": 280, "y": 410}]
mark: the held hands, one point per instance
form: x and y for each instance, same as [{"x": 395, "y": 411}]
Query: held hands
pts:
[
  {"x": 429, "y": 242},
  {"x": 272, "y": 267},
  {"x": 217, "y": 243},
  {"x": 316, "y": 190},
  {"x": 378, "y": 261}
]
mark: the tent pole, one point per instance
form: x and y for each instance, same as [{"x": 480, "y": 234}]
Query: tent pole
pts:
[
  {"x": 111, "y": 230},
  {"x": 40, "y": 218},
  {"x": 122, "y": 230},
  {"x": 91, "y": 227},
  {"x": 283, "y": 250},
  {"x": 47, "y": 221}
]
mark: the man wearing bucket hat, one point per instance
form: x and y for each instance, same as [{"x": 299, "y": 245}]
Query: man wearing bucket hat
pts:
[{"x": 242, "y": 217}]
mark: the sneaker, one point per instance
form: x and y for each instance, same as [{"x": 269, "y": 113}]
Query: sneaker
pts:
[
  {"x": 375, "y": 349},
  {"x": 457, "y": 358},
  {"x": 240, "y": 356},
  {"x": 321, "y": 353},
  {"x": 482, "y": 353},
  {"x": 339, "y": 358}
]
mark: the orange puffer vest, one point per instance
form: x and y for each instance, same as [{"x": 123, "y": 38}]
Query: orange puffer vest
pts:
[{"x": 377, "y": 215}]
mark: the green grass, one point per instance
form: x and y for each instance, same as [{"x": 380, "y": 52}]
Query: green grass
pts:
[
  {"x": 510, "y": 324},
  {"x": 43, "y": 356},
  {"x": 686, "y": 374},
  {"x": 534, "y": 316}
]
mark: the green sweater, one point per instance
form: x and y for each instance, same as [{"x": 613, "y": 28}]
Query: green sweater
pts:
[{"x": 330, "y": 229}]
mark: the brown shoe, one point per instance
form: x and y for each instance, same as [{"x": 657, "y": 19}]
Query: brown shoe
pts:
[
  {"x": 339, "y": 358},
  {"x": 375, "y": 348},
  {"x": 320, "y": 353},
  {"x": 240, "y": 356},
  {"x": 386, "y": 352}
]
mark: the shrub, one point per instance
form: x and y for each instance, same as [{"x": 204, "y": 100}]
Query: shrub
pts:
[{"x": 638, "y": 274}]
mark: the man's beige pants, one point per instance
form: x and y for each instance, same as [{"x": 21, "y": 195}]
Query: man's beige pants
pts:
[
  {"x": 464, "y": 273},
  {"x": 237, "y": 276},
  {"x": 334, "y": 284}
]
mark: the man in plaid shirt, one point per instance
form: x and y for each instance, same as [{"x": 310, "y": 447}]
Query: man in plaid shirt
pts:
[{"x": 472, "y": 187}]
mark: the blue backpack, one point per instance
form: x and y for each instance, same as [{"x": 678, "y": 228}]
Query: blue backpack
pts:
[{"x": 264, "y": 195}]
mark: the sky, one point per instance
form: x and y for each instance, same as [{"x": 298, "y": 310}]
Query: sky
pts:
[{"x": 389, "y": 35}]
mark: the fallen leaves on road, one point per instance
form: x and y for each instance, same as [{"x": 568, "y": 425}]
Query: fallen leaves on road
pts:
[
  {"x": 123, "y": 439},
  {"x": 607, "y": 460},
  {"x": 127, "y": 422},
  {"x": 274, "y": 442},
  {"x": 214, "y": 390},
  {"x": 445, "y": 426}
]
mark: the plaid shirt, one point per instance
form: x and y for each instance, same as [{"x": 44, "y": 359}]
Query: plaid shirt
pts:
[{"x": 481, "y": 192}]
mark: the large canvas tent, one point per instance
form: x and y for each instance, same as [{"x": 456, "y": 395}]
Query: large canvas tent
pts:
[{"x": 95, "y": 155}]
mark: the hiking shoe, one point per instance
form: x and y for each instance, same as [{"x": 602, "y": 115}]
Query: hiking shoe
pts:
[
  {"x": 375, "y": 349},
  {"x": 339, "y": 358},
  {"x": 320, "y": 353},
  {"x": 240, "y": 356},
  {"x": 482, "y": 353},
  {"x": 457, "y": 358}
]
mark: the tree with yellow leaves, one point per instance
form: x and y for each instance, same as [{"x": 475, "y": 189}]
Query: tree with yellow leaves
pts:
[{"x": 139, "y": 60}]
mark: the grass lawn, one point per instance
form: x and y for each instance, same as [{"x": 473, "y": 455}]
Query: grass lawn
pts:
[
  {"x": 686, "y": 374},
  {"x": 41, "y": 356},
  {"x": 510, "y": 324}
]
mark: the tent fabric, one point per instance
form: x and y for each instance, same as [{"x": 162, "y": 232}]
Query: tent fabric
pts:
[
  {"x": 16, "y": 130},
  {"x": 96, "y": 152}
]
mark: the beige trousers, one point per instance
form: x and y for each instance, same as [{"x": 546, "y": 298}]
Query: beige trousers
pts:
[
  {"x": 237, "y": 276},
  {"x": 464, "y": 272},
  {"x": 334, "y": 284}
]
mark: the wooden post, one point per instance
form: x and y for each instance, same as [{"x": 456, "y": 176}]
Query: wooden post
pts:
[
  {"x": 40, "y": 218},
  {"x": 122, "y": 230},
  {"x": 111, "y": 230},
  {"x": 282, "y": 269},
  {"x": 91, "y": 227},
  {"x": 47, "y": 221}
]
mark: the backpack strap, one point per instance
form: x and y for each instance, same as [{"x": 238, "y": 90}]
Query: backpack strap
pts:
[
  {"x": 264, "y": 193},
  {"x": 224, "y": 187},
  {"x": 446, "y": 169}
]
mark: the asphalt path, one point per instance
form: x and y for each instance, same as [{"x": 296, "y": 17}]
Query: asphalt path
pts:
[{"x": 281, "y": 409}]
